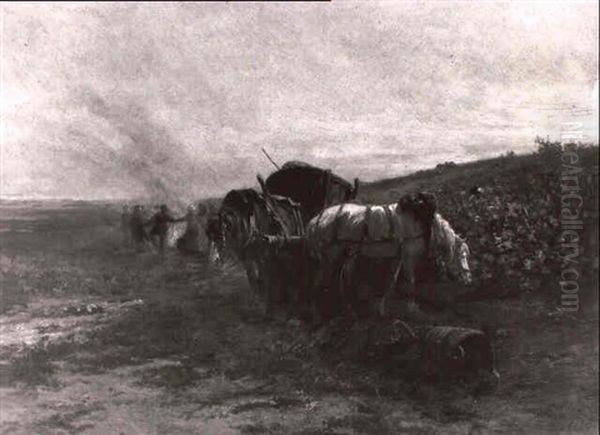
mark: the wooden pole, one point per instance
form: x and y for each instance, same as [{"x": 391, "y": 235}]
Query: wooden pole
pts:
[{"x": 270, "y": 159}]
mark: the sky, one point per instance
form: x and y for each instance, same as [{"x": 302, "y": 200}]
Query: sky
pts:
[{"x": 175, "y": 100}]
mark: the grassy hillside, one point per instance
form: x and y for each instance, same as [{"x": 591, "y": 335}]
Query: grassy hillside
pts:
[
  {"x": 513, "y": 224},
  {"x": 99, "y": 338}
]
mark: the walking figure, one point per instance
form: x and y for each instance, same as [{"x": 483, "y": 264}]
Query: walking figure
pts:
[
  {"x": 160, "y": 227},
  {"x": 188, "y": 242}
]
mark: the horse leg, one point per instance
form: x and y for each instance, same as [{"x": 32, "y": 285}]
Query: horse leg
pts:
[
  {"x": 274, "y": 283},
  {"x": 269, "y": 288},
  {"x": 315, "y": 290},
  {"x": 252, "y": 274},
  {"x": 258, "y": 281},
  {"x": 392, "y": 287},
  {"x": 348, "y": 293},
  {"x": 299, "y": 283},
  {"x": 303, "y": 285},
  {"x": 326, "y": 289},
  {"x": 342, "y": 284},
  {"x": 283, "y": 277},
  {"x": 341, "y": 280},
  {"x": 413, "y": 309},
  {"x": 328, "y": 282},
  {"x": 314, "y": 280}
]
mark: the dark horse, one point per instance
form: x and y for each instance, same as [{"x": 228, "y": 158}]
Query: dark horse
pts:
[
  {"x": 311, "y": 187},
  {"x": 245, "y": 222}
]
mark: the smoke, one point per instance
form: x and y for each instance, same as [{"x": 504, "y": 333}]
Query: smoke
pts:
[
  {"x": 174, "y": 101},
  {"x": 137, "y": 146}
]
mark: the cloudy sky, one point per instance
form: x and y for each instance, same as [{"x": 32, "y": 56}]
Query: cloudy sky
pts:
[{"x": 123, "y": 100}]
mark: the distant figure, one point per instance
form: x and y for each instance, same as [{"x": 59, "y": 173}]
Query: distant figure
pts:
[
  {"x": 194, "y": 240},
  {"x": 160, "y": 226},
  {"x": 136, "y": 226},
  {"x": 213, "y": 234},
  {"x": 126, "y": 226},
  {"x": 188, "y": 242}
]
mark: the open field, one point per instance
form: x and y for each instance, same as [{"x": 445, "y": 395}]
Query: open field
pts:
[{"x": 97, "y": 339}]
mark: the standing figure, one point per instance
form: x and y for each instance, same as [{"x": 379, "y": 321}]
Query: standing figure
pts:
[
  {"x": 136, "y": 226},
  {"x": 213, "y": 233},
  {"x": 188, "y": 242},
  {"x": 160, "y": 227},
  {"x": 126, "y": 227}
]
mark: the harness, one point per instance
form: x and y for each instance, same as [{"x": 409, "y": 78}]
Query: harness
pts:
[
  {"x": 364, "y": 240},
  {"x": 287, "y": 231}
]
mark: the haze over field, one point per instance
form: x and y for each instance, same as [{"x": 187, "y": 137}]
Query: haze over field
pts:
[{"x": 176, "y": 100}]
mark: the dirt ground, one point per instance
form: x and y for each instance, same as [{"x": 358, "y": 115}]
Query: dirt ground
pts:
[{"x": 98, "y": 339}]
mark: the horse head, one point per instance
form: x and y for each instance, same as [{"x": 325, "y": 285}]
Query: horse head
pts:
[
  {"x": 236, "y": 220},
  {"x": 458, "y": 267},
  {"x": 451, "y": 251}
]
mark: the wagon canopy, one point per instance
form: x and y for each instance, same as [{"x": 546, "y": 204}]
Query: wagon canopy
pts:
[{"x": 312, "y": 187}]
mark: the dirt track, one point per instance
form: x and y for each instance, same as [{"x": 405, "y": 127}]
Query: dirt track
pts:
[{"x": 97, "y": 339}]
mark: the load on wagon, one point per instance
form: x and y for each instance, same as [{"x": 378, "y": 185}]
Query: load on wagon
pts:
[{"x": 313, "y": 188}]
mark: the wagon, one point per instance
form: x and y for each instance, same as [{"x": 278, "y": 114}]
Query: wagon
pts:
[
  {"x": 313, "y": 188},
  {"x": 279, "y": 266}
]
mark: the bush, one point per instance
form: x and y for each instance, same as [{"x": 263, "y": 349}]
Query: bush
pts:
[{"x": 513, "y": 229}]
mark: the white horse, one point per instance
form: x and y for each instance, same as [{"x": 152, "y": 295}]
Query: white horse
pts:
[
  {"x": 406, "y": 233},
  {"x": 450, "y": 251}
]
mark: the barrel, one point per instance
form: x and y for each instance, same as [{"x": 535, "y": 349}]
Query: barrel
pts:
[{"x": 460, "y": 352}]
